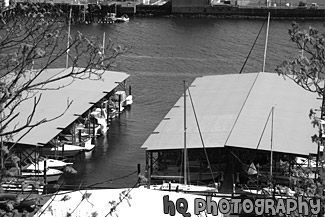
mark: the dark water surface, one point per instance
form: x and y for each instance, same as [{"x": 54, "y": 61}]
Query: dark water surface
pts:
[{"x": 163, "y": 52}]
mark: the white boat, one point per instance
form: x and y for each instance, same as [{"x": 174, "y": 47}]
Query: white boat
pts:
[
  {"x": 110, "y": 18},
  {"x": 25, "y": 186},
  {"x": 31, "y": 172},
  {"x": 63, "y": 150},
  {"x": 53, "y": 163},
  {"x": 100, "y": 115},
  {"x": 50, "y": 163},
  {"x": 88, "y": 145},
  {"x": 123, "y": 18},
  {"x": 124, "y": 100},
  {"x": 179, "y": 187}
]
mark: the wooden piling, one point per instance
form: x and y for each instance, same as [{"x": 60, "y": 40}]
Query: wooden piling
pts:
[
  {"x": 79, "y": 135},
  {"x": 119, "y": 103},
  {"x": 45, "y": 177}
]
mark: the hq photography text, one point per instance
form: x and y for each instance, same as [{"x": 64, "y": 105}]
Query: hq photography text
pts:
[{"x": 238, "y": 206}]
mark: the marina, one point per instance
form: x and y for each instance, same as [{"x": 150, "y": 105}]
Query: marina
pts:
[
  {"x": 163, "y": 77},
  {"x": 107, "y": 133},
  {"x": 66, "y": 136}
]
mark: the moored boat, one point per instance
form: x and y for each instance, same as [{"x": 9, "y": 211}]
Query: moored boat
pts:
[
  {"x": 110, "y": 18},
  {"x": 123, "y": 18},
  {"x": 64, "y": 150},
  {"x": 31, "y": 172},
  {"x": 50, "y": 163},
  {"x": 25, "y": 186}
]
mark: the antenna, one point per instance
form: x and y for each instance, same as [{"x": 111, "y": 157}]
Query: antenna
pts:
[{"x": 267, "y": 36}]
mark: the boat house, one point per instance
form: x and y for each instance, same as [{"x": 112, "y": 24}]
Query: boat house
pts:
[
  {"x": 65, "y": 104},
  {"x": 235, "y": 125}
]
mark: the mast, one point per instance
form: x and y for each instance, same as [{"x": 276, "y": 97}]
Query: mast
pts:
[
  {"x": 267, "y": 36},
  {"x": 103, "y": 43},
  {"x": 103, "y": 51},
  {"x": 272, "y": 143},
  {"x": 68, "y": 43},
  {"x": 185, "y": 150}
]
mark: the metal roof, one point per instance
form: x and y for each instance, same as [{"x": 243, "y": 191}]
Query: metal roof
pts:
[
  {"x": 233, "y": 110},
  {"x": 81, "y": 92}
]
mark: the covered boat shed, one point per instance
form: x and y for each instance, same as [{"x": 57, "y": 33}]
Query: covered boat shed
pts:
[
  {"x": 239, "y": 119},
  {"x": 82, "y": 93}
]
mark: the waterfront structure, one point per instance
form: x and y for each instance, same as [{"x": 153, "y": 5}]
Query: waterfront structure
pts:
[
  {"x": 71, "y": 100},
  {"x": 239, "y": 119},
  {"x": 96, "y": 11}
]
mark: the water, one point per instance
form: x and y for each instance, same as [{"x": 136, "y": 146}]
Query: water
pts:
[{"x": 162, "y": 53}]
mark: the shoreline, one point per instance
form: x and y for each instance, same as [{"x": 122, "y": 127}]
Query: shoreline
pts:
[{"x": 95, "y": 13}]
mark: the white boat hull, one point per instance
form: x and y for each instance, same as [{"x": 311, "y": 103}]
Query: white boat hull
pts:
[
  {"x": 66, "y": 151},
  {"x": 22, "y": 188},
  {"x": 40, "y": 177},
  {"x": 184, "y": 188}
]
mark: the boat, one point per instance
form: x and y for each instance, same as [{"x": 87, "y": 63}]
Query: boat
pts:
[
  {"x": 50, "y": 163},
  {"x": 53, "y": 163},
  {"x": 110, "y": 18},
  {"x": 63, "y": 150},
  {"x": 123, "y": 18},
  {"x": 22, "y": 186},
  {"x": 186, "y": 188},
  {"x": 101, "y": 125},
  {"x": 84, "y": 141},
  {"x": 36, "y": 173},
  {"x": 120, "y": 97}
]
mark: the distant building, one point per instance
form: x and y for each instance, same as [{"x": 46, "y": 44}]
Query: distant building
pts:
[{"x": 188, "y": 6}]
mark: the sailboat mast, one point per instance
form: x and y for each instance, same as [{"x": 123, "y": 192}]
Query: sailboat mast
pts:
[
  {"x": 267, "y": 36},
  {"x": 185, "y": 150},
  {"x": 271, "y": 172},
  {"x": 103, "y": 43},
  {"x": 68, "y": 43}
]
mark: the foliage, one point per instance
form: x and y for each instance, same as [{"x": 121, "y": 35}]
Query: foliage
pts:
[
  {"x": 307, "y": 71},
  {"x": 34, "y": 38}
]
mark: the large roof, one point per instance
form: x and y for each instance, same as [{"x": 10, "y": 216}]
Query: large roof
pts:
[
  {"x": 81, "y": 92},
  {"x": 235, "y": 110},
  {"x": 123, "y": 202}
]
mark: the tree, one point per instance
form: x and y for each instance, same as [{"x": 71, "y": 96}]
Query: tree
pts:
[
  {"x": 32, "y": 39},
  {"x": 307, "y": 70}
]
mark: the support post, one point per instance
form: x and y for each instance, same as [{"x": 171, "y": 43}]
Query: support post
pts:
[
  {"x": 139, "y": 171},
  {"x": 63, "y": 150},
  {"x": 107, "y": 112},
  {"x": 94, "y": 133},
  {"x": 119, "y": 103},
  {"x": 149, "y": 167},
  {"x": 79, "y": 135},
  {"x": 45, "y": 167}
]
